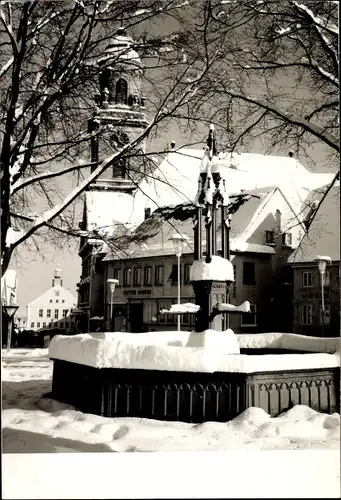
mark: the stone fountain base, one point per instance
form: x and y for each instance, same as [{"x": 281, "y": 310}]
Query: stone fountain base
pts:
[{"x": 191, "y": 397}]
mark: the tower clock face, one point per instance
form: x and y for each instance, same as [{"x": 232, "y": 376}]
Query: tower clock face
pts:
[{"x": 119, "y": 139}]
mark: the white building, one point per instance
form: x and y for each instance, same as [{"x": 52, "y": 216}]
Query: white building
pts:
[{"x": 53, "y": 308}]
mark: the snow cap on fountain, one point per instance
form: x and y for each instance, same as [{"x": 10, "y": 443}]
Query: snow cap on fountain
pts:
[
  {"x": 219, "y": 269},
  {"x": 211, "y": 184}
]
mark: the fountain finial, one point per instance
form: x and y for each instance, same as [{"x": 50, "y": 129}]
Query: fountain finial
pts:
[{"x": 212, "y": 142}]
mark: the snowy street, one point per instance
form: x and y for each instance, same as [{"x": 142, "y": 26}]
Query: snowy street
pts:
[{"x": 32, "y": 424}]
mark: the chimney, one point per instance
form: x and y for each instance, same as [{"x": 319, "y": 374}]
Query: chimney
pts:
[{"x": 147, "y": 212}]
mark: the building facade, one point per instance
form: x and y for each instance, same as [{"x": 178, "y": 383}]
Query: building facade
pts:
[
  {"x": 118, "y": 201},
  {"x": 322, "y": 239},
  {"x": 53, "y": 308},
  {"x": 261, "y": 239}
]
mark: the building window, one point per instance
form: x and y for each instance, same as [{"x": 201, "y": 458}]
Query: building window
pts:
[
  {"x": 127, "y": 276},
  {"x": 326, "y": 319},
  {"x": 147, "y": 276},
  {"x": 187, "y": 273},
  {"x": 65, "y": 311},
  {"x": 234, "y": 285},
  {"x": 117, "y": 276},
  {"x": 287, "y": 239},
  {"x": 307, "y": 279},
  {"x": 56, "y": 293},
  {"x": 63, "y": 301},
  {"x": 270, "y": 238},
  {"x": 44, "y": 324},
  {"x": 121, "y": 91},
  {"x": 137, "y": 276},
  {"x": 159, "y": 275},
  {"x": 56, "y": 313},
  {"x": 38, "y": 324},
  {"x": 165, "y": 318},
  {"x": 250, "y": 319},
  {"x": 61, "y": 325},
  {"x": 249, "y": 277},
  {"x": 173, "y": 277},
  {"x": 307, "y": 314},
  {"x": 32, "y": 324},
  {"x": 50, "y": 301},
  {"x": 57, "y": 301},
  {"x": 48, "y": 313},
  {"x": 326, "y": 281},
  {"x": 41, "y": 313}
]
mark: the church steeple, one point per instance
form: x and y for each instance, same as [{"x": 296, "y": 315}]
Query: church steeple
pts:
[{"x": 119, "y": 115}]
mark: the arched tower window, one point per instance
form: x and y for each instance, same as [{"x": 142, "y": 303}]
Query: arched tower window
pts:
[{"x": 121, "y": 91}]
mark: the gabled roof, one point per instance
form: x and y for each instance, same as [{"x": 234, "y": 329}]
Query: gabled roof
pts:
[
  {"x": 175, "y": 180},
  {"x": 64, "y": 294},
  {"x": 323, "y": 237},
  {"x": 151, "y": 238}
]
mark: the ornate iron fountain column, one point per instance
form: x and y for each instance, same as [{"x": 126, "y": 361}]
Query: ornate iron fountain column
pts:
[{"x": 210, "y": 275}]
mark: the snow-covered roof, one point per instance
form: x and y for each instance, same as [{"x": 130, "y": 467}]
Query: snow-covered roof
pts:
[
  {"x": 323, "y": 237},
  {"x": 175, "y": 181},
  {"x": 152, "y": 237},
  {"x": 108, "y": 210},
  {"x": 176, "y": 178}
]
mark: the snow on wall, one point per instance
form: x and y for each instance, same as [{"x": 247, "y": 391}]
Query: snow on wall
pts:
[
  {"x": 218, "y": 269},
  {"x": 187, "y": 307},
  {"x": 289, "y": 341},
  {"x": 244, "y": 307},
  {"x": 225, "y": 342},
  {"x": 167, "y": 352}
]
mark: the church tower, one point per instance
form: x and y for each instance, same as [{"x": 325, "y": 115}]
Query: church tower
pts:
[
  {"x": 118, "y": 118},
  {"x": 119, "y": 115}
]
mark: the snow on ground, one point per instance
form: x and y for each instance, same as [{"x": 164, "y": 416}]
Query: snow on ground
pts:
[
  {"x": 35, "y": 424},
  {"x": 32, "y": 424}
]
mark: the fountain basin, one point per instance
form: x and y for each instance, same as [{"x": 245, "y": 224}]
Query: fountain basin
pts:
[{"x": 156, "y": 376}]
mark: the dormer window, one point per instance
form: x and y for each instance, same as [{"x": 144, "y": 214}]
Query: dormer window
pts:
[
  {"x": 287, "y": 239},
  {"x": 121, "y": 91},
  {"x": 270, "y": 238}
]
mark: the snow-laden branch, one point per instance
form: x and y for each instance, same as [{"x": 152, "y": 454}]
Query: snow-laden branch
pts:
[
  {"x": 6, "y": 66},
  {"x": 24, "y": 182},
  {"x": 50, "y": 214},
  {"x": 312, "y": 128},
  {"x": 304, "y": 62},
  {"x": 9, "y": 31},
  {"x": 318, "y": 21}
]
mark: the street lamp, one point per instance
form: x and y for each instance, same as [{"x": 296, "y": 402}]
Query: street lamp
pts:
[
  {"x": 322, "y": 262},
  {"x": 10, "y": 310},
  {"x": 178, "y": 241},
  {"x": 112, "y": 282}
]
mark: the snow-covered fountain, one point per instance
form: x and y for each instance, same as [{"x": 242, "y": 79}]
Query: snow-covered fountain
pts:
[{"x": 209, "y": 374}]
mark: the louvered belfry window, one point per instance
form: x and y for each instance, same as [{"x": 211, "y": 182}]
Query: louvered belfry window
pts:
[{"x": 121, "y": 91}]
